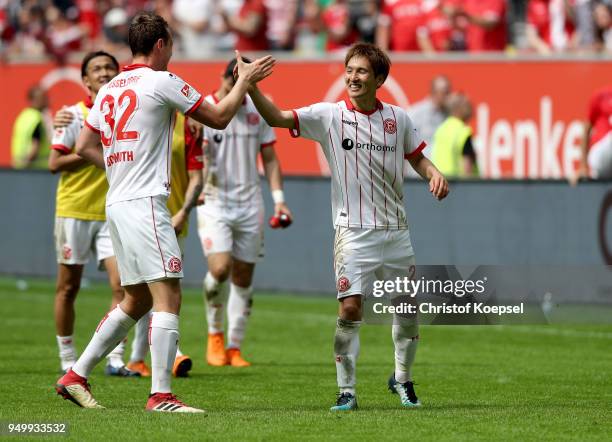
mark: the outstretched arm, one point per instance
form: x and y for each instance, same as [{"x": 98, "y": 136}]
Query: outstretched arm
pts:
[
  {"x": 219, "y": 116},
  {"x": 268, "y": 110},
  {"x": 438, "y": 185}
]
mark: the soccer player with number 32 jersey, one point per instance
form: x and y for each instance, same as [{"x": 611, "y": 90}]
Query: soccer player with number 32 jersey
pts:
[{"x": 133, "y": 117}]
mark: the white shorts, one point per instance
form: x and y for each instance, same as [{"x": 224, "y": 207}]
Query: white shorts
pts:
[
  {"x": 75, "y": 239},
  {"x": 144, "y": 241},
  {"x": 234, "y": 229},
  {"x": 600, "y": 158},
  {"x": 362, "y": 256}
]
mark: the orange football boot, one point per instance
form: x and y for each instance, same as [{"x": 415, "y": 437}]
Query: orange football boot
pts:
[
  {"x": 140, "y": 367},
  {"x": 215, "y": 350},
  {"x": 182, "y": 365},
  {"x": 235, "y": 359}
]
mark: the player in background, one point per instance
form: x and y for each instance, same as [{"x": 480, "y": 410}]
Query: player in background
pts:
[
  {"x": 187, "y": 180},
  {"x": 231, "y": 221},
  {"x": 133, "y": 116},
  {"x": 597, "y": 142},
  {"x": 187, "y": 164},
  {"x": 365, "y": 142},
  {"x": 80, "y": 221}
]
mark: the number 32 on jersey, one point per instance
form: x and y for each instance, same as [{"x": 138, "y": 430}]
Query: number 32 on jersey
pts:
[{"x": 128, "y": 101}]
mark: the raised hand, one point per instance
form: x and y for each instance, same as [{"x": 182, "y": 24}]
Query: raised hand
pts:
[{"x": 255, "y": 71}]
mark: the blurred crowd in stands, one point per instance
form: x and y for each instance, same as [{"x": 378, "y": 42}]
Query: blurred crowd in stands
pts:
[{"x": 56, "y": 28}]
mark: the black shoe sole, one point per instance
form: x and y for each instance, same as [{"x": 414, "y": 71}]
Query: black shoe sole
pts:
[
  {"x": 182, "y": 371},
  {"x": 61, "y": 390}
]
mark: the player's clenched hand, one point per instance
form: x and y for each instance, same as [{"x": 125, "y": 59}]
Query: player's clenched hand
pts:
[
  {"x": 194, "y": 127},
  {"x": 438, "y": 186},
  {"x": 63, "y": 118},
  {"x": 281, "y": 208},
  {"x": 255, "y": 71}
]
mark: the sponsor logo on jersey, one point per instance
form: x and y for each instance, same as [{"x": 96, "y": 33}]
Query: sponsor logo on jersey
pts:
[
  {"x": 174, "y": 265},
  {"x": 350, "y": 123},
  {"x": 390, "y": 126},
  {"x": 218, "y": 138},
  {"x": 343, "y": 284},
  {"x": 348, "y": 144},
  {"x": 252, "y": 118}
]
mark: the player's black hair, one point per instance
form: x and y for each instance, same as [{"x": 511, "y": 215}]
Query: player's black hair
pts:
[
  {"x": 93, "y": 55},
  {"x": 379, "y": 60},
  {"x": 146, "y": 28},
  {"x": 229, "y": 69}
]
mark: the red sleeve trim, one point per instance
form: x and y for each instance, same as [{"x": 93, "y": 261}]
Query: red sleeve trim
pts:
[
  {"x": 416, "y": 151},
  {"x": 91, "y": 127},
  {"x": 295, "y": 132},
  {"x": 268, "y": 144},
  {"x": 195, "y": 106},
  {"x": 61, "y": 148}
]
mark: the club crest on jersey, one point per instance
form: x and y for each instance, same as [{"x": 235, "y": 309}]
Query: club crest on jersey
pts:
[
  {"x": 186, "y": 91},
  {"x": 343, "y": 284},
  {"x": 174, "y": 265},
  {"x": 390, "y": 126},
  {"x": 218, "y": 138},
  {"x": 252, "y": 118}
]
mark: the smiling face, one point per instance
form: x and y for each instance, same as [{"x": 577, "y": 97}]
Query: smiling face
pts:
[
  {"x": 100, "y": 70},
  {"x": 360, "y": 81}
]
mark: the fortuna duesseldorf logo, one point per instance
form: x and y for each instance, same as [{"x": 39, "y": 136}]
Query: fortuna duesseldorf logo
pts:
[{"x": 348, "y": 144}]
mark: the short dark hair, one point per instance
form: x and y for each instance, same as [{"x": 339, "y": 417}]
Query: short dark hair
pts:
[
  {"x": 146, "y": 28},
  {"x": 379, "y": 60},
  {"x": 229, "y": 69},
  {"x": 93, "y": 55}
]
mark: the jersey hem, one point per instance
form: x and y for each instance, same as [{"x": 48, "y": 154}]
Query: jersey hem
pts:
[
  {"x": 80, "y": 216},
  {"x": 91, "y": 127},
  {"x": 372, "y": 226},
  {"x": 295, "y": 132},
  {"x": 61, "y": 148},
  {"x": 137, "y": 197}
]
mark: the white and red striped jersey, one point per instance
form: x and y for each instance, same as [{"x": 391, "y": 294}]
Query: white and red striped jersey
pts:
[
  {"x": 135, "y": 115},
  {"x": 365, "y": 152},
  {"x": 231, "y": 156}
]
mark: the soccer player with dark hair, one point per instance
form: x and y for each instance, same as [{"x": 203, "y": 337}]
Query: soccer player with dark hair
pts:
[
  {"x": 80, "y": 220},
  {"x": 365, "y": 142},
  {"x": 231, "y": 220},
  {"x": 133, "y": 117}
]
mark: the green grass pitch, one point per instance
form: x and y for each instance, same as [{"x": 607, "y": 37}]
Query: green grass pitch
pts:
[{"x": 475, "y": 383}]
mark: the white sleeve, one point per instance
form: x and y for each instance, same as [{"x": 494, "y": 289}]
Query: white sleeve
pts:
[
  {"x": 64, "y": 138},
  {"x": 313, "y": 121},
  {"x": 93, "y": 118},
  {"x": 176, "y": 93},
  {"x": 413, "y": 143}
]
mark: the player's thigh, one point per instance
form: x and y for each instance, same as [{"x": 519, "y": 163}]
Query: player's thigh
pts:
[
  {"x": 74, "y": 240},
  {"x": 242, "y": 273},
  {"x": 357, "y": 257},
  {"x": 398, "y": 257},
  {"x": 214, "y": 230},
  {"x": 248, "y": 231},
  {"x": 144, "y": 241}
]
